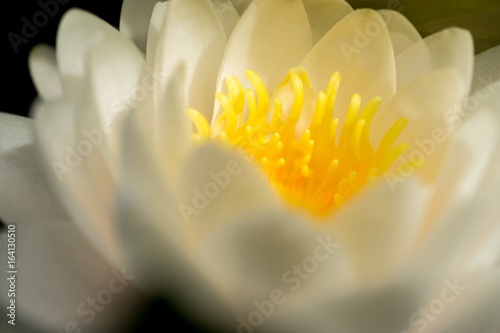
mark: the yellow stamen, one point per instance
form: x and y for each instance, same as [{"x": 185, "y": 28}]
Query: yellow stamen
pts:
[
  {"x": 312, "y": 170},
  {"x": 201, "y": 125}
]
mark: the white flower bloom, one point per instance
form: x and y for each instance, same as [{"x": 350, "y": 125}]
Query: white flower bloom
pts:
[{"x": 314, "y": 224}]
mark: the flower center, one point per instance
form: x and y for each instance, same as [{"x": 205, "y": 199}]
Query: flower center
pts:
[{"x": 312, "y": 169}]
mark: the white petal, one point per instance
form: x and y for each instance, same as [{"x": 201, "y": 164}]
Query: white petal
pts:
[
  {"x": 378, "y": 225},
  {"x": 403, "y": 33},
  {"x": 76, "y": 33},
  {"x": 486, "y": 68},
  {"x": 273, "y": 250},
  {"x": 43, "y": 70},
  {"x": 446, "y": 244},
  {"x": 58, "y": 270},
  {"x": 227, "y": 14},
  {"x": 163, "y": 270},
  {"x": 173, "y": 129},
  {"x": 452, "y": 48},
  {"x": 466, "y": 162},
  {"x": 483, "y": 125},
  {"x": 471, "y": 161},
  {"x": 484, "y": 250},
  {"x": 483, "y": 247},
  {"x": 79, "y": 173},
  {"x": 270, "y": 38},
  {"x": 474, "y": 307},
  {"x": 147, "y": 107},
  {"x": 101, "y": 73},
  {"x": 324, "y": 14},
  {"x": 157, "y": 18},
  {"x": 134, "y": 20},
  {"x": 218, "y": 184},
  {"x": 114, "y": 68},
  {"x": 382, "y": 309},
  {"x": 191, "y": 34},
  {"x": 428, "y": 103},
  {"x": 359, "y": 47},
  {"x": 114, "y": 86},
  {"x": 144, "y": 179},
  {"x": 26, "y": 193},
  {"x": 153, "y": 234}
]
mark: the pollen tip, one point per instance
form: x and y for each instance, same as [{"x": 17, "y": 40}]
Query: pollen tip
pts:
[{"x": 308, "y": 168}]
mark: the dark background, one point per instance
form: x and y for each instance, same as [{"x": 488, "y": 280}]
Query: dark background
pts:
[
  {"x": 17, "y": 89},
  {"x": 481, "y": 17}
]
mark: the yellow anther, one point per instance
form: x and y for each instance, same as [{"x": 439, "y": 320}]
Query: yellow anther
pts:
[
  {"x": 201, "y": 125},
  {"x": 270, "y": 144},
  {"x": 253, "y": 113},
  {"x": 305, "y": 171},
  {"x": 333, "y": 166},
  {"x": 261, "y": 90},
  {"x": 223, "y": 139},
  {"x": 298, "y": 102},
  {"x": 312, "y": 169},
  {"x": 338, "y": 199},
  {"x": 306, "y": 136},
  {"x": 370, "y": 109},
  {"x": 350, "y": 120},
  {"x": 343, "y": 185},
  {"x": 319, "y": 111},
  {"x": 389, "y": 138},
  {"x": 230, "y": 112},
  {"x": 334, "y": 123},
  {"x": 236, "y": 94},
  {"x": 300, "y": 162},
  {"x": 351, "y": 180},
  {"x": 274, "y": 150},
  {"x": 276, "y": 120},
  {"x": 394, "y": 153},
  {"x": 356, "y": 138},
  {"x": 331, "y": 93}
]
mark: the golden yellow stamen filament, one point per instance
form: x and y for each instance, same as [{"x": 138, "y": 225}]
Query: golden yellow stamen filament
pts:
[
  {"x": 201, "y": 125},
  {"x": 261, "y": 90},
  {"x": 312, "y": 170}
]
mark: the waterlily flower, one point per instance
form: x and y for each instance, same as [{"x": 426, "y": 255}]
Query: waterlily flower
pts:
[{"x": 283, "y": 166}]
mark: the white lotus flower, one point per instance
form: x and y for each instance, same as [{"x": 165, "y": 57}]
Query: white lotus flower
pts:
[{"x": 279, "y": 215}]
